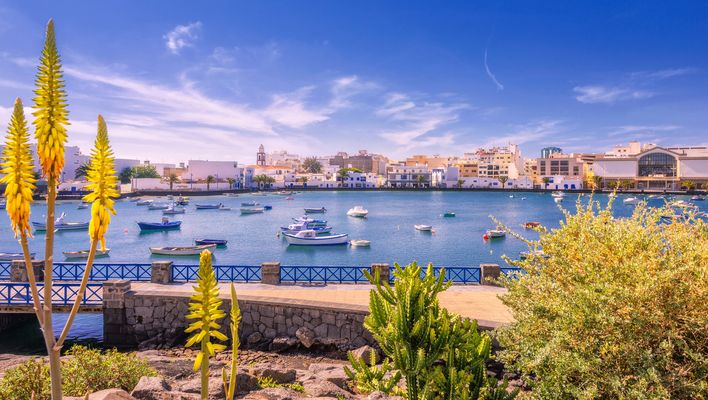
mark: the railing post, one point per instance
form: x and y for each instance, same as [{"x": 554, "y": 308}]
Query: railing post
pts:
[
  {"x": 270, "y": 273},
  {"x": 114, "y": 316},
  {"x": 489, "y": 274},
  {"x": 18, "y": 272},
  {"x": 161, "y": 272},
  {"x": 383, "y": 270}
]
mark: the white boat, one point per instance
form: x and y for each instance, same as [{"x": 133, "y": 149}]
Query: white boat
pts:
[
  {"x": 61, "y": 225},
  {"x": 697, "y": 198},
  {"x": 3, "y": 205},
  {"x": 558, "y": 194},
  {"x": 257, "y": 210},
  {"x": 224, "y": 208},
  {"x": 315, "y": 210},
  {"x": 424, "y": 228},
  {"x": 208, "y": 206},
  {"x": 557, "y": 199},
  {"x": 683, "y": 204},
  {"x": 13, "y": 256},
  {"x": 528, "y": 254},
  {"x": 360, "y": 243},
  {"x": 173, "y": 210},
  {"x": 82, "y": 206},
  {"x": 309, "y": 238},
  {"x": 249, "y": 204},
  {"x": 134, "y": 199},
  {"x": 182, "y": 251},
  {"x": 231, "y": 194},
  {"x": 303, "y": 226},
  {"x": 631, "y": 200},
  {"x": 494, "y": 234},
  {"x": 85, "y": 253},
  {"x": 153, "y": 206},
  {"x": 358, "y": 211},
  {"x": 143, "y": 202},
  {"x": 310, "y": 221}
]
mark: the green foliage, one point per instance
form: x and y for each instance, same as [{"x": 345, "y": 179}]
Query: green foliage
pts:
[
  {"x": 503, "y": 179},
  {"x": 311, "y": 165},
  {"x": 144, "y": 171},
  {"x": 440, "y": 355},
  {"x": 370, "y": 378},
  {"x": 84, "y": 371},
  {"x": 265, "y": 382},
  {"x": 82, "y": 171},
  {"x": 688, "y": 185},
  {"x": 617, "y": 309},
  {"x": 126, "y": 175},
  {"x": 263, "y": 180},
  {"x": 205, "y": 308}
]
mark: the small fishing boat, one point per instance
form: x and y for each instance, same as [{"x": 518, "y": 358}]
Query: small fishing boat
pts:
[
  {"x": 208, "y": 206},
  {"x": 182, "y": 201},
  {"x": 170, "y": 197},
  {"x": 218, "y": 242},
  {"x": 13, "y": 256},
  {"x": 61, "y": 225},
  {"x": 315, "y": 210},
  {"x": 557, "y": 199},
  {"x": 82, "y": 206},
  {"x": 254, "y": 210},
  {"x": 173, "y": 210},
  {"x": 224, "y": 208},
  {"x": 449, "y": 214},
  {"x": 231, "y": 194},
  {"x": 85, "y": 253},
  {"x": 309, "y": 238},
  {"x": 154, "y": 206},
  {"x": 631, "y": 200},
  {"x": 289, "y": 198},
  {"x": 494, "y": 234},
  {"x": 528, "y": 254},
  {"x": 310, "y": 221},
  {"x": 3, "y": 205},
  {"x": 134, "y": 199},
  {"x": 303, "y": 226},
  {"x": 260, "y": 194},
  {"x": 143, "y": 202},
  {"x": 358, "y": 212},
  {"x": 697, "y": 198},
  {"x": 532, "y": 224},
  {"x": 360, "y": 243},
  {"x": 183, "y": 250},
  {"x": 267, "y": 207},
  {"x": 249, "y": 204},
  {"x": 423, "y": 228},
  {"x": 683, "y": 204},
  {"x": 164, "y": 225},
  {"x": 558, "y": 194}
]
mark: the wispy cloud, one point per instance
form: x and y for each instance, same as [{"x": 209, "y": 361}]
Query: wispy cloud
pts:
[
  {"x": 182, "y": 36},
  {"x": 529, "y": 132},
  {"x": 662, "y": 74},
  {"x": 607, "y": 94},
  {"x": 641, "y": 130},
  {"x": 490, "y": 74}
]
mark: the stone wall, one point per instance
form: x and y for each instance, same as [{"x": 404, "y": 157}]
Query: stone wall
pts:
[
  {"x": 159, "y": 321},
  {"x": 13, "y": 320}
]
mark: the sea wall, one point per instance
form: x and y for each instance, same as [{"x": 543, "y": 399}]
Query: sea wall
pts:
[
  {"x": 152, "y": 320},
  {"x": 13, "y": 320}
]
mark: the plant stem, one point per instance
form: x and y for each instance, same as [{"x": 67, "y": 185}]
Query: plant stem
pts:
[
  {"x": 205, "y": 368},
  {"x": 49, "y": 340},
  {"x": 79, "y": 295},
  {"x": 32, "y": 279}
]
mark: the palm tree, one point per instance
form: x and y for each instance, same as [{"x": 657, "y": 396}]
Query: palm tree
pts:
[
  {"x": 688, "y": 185},
  {"x": 342, "y": 174},
  {"x": 126, "y": 175},
  {"x": 546, "y": 180},
  {"x": 231, "y": 182},
  {"x": 421, "y": 180},
  {"x": 172, "y": 179},
  {"x": 82, "y": 171},
  {"x": 460, "y": 182},
  {"x": 596, "y": 182},
  {"x": 304, "y": 180},
  {"x": 502, "y": 179},
  {"x": 269, "y": 180},
  {"x": 209, "y": 180}
]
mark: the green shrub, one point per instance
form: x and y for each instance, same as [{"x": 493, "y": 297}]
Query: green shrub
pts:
[
  {"x": 84, "y": 371},
  {"x": 265, "y": 382},
  {"x": 617, "y": 308},
  {"x": 370, "y": 378}
]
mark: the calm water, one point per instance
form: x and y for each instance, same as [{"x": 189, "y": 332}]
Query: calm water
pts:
[{"x": 252, "y": 238}]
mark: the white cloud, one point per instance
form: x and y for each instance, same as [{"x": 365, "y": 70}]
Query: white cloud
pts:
[
  {"x": 662, "y": 74},
  {"x": 182, "y": 36},
  {"x": 490, "y": 74},
  {"x": 594, "y": 94},
  {"x": 641, "y": 129},
  {"x": 290, "y": 110},
  {"x": 529, "y": 132}
]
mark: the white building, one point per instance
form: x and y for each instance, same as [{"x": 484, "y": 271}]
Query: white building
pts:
[
  {"x": 403, "y": 176},
  {"x": 357, "y": 180},
  {"x": 523, "y": 182},
  {"x": 283, "y": 158},
  {"x": 220, "y": 170},
  {"x": 500, "y": 161}
]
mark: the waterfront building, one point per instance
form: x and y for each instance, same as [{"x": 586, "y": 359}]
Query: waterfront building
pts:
[
  {"x": 363, "y": 161},
  {"x": 283, "y": 176},
  {"x": 261, "y": 156},
  {"x": 559, "y": 167},
  {"x": 500, "y": 161},
  {"x": 547, "y": 151},
  {"x": 652, "y": 167},
  {"x": 359, "y": 180},
  {"x": 468, "y": 169},
  {"x": 431, "y": 162},
  {"x": 284, "y": 159},
  {"x": 403, "y": 176},
  {"x": 220, "y": 170},
  {"x": 523, "y": 182},
  {"x": 531, "y": 170},
  {"x": 321, "y": 180},
  {"x": 161, "y": 167}
]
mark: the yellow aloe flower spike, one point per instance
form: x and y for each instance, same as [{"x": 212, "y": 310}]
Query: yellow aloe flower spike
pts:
[
  {"x": 51, "y": 116},
  {"x": 102, "y": 180},
  {"x": 18, "y": 171},
  {"x": 205, "y": 309}
]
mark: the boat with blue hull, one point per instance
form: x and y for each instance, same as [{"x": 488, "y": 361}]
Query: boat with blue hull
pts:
[
  {"x": 218, "y": 242},
  {"x": 159, "y": 226},
  {"x": 303, "y": 226}
]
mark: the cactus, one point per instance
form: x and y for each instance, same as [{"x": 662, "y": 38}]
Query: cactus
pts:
[
  {"x": 235, "y": 316},
  {"x": 370, "y": 378},
  {"x": 205, "y": 308}
]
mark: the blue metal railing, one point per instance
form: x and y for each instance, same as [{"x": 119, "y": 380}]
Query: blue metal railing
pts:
[
  {"x": 456, "y": 274},
  {"x": 224, "y": 273},
  {"x": 329, "y": 274},
  {"x": 12, "y": 293},
  {"x": 5, "y": 270},
  {"x": 103, "y": 272}
]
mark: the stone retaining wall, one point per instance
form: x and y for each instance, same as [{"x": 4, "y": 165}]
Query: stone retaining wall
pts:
[{"x": 157, "y": 320}]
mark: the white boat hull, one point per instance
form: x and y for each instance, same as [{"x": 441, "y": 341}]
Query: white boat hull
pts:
[
  {"x": 318, "y": 241},
  {"x": 182, "y": 251}
]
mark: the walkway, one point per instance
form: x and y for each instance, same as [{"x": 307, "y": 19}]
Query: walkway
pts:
[{"x": 477, "y": 302}]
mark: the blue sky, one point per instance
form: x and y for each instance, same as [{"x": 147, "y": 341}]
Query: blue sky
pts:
[{"x": 185, "y": 80}]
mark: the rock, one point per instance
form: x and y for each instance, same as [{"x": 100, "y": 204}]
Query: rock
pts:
[
  {"x": 150, "y": 388},
  {"x": 254, "y": 338},
  {"x": 306, "y": 336},
  {"x": 324, "y": 389},
  {"x": 111, "y": 394},
  {"x": 283, "y": 344},
  {"x": 364, "y": 352},
  {"x": 273, "y": 394},
  {"x": 277, "y": 372},
  {"x": 381, "y": 396},
  {"x": 180, "y": 396},
  {"x": 333, "y": 373},
  {"x": 246, "y": 383},
  {"x": 216, "y": 387}
]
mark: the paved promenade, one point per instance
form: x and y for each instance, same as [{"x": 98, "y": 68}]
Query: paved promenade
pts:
[{"x": 473, "y": 301}]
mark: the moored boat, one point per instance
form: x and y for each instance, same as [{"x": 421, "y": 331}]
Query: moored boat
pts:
[
  {"x": 61, "y": 225},
  {"x": 360, "y": 243},
  {"x": 82, "y": 206},
  {"x": 557, "y": 199},
  {"x": 143, "y": 202},
  {"x": 267, "y": 207},
  {"x": 85, "y": 253},
  {"x": 423, "y": 228},
  {"x": 164, "y": 225},
  {"x": 218, "y": 242},
  {"x": 494, "y": 234},
  {"x": 631, "y": 200},
  {"x": 532, "y": 224},
  {"x": 251, "y": 210},
  {"x": 224, "y": 208},
  {"x": 249, "y": 204},
  {"x": 13, "y": 256},
  {"x": 558, "y": 194},
  {"x": 208, "y": 206},
  {"x": 448, "y": 214},
  {"x": 315, "y": 210},
  {"x": 528, "y": 254},
  {"x": 310, "y": 221},
  {"x": 357, "y": 211},
  {"x": 154, "y": 206},
  {"x": 697, "y": 198},
  {"x": 182, "y": 250},
  {"x": 173, "y": 210},
  {"x": 309, "y": 238},
  {"x": 303, "y": 226}
]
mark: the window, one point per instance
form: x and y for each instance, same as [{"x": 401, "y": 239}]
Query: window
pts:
[{"x": 657, "y": 164}]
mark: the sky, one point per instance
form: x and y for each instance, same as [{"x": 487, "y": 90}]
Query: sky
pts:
[{"x": 184, "y": 80}]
